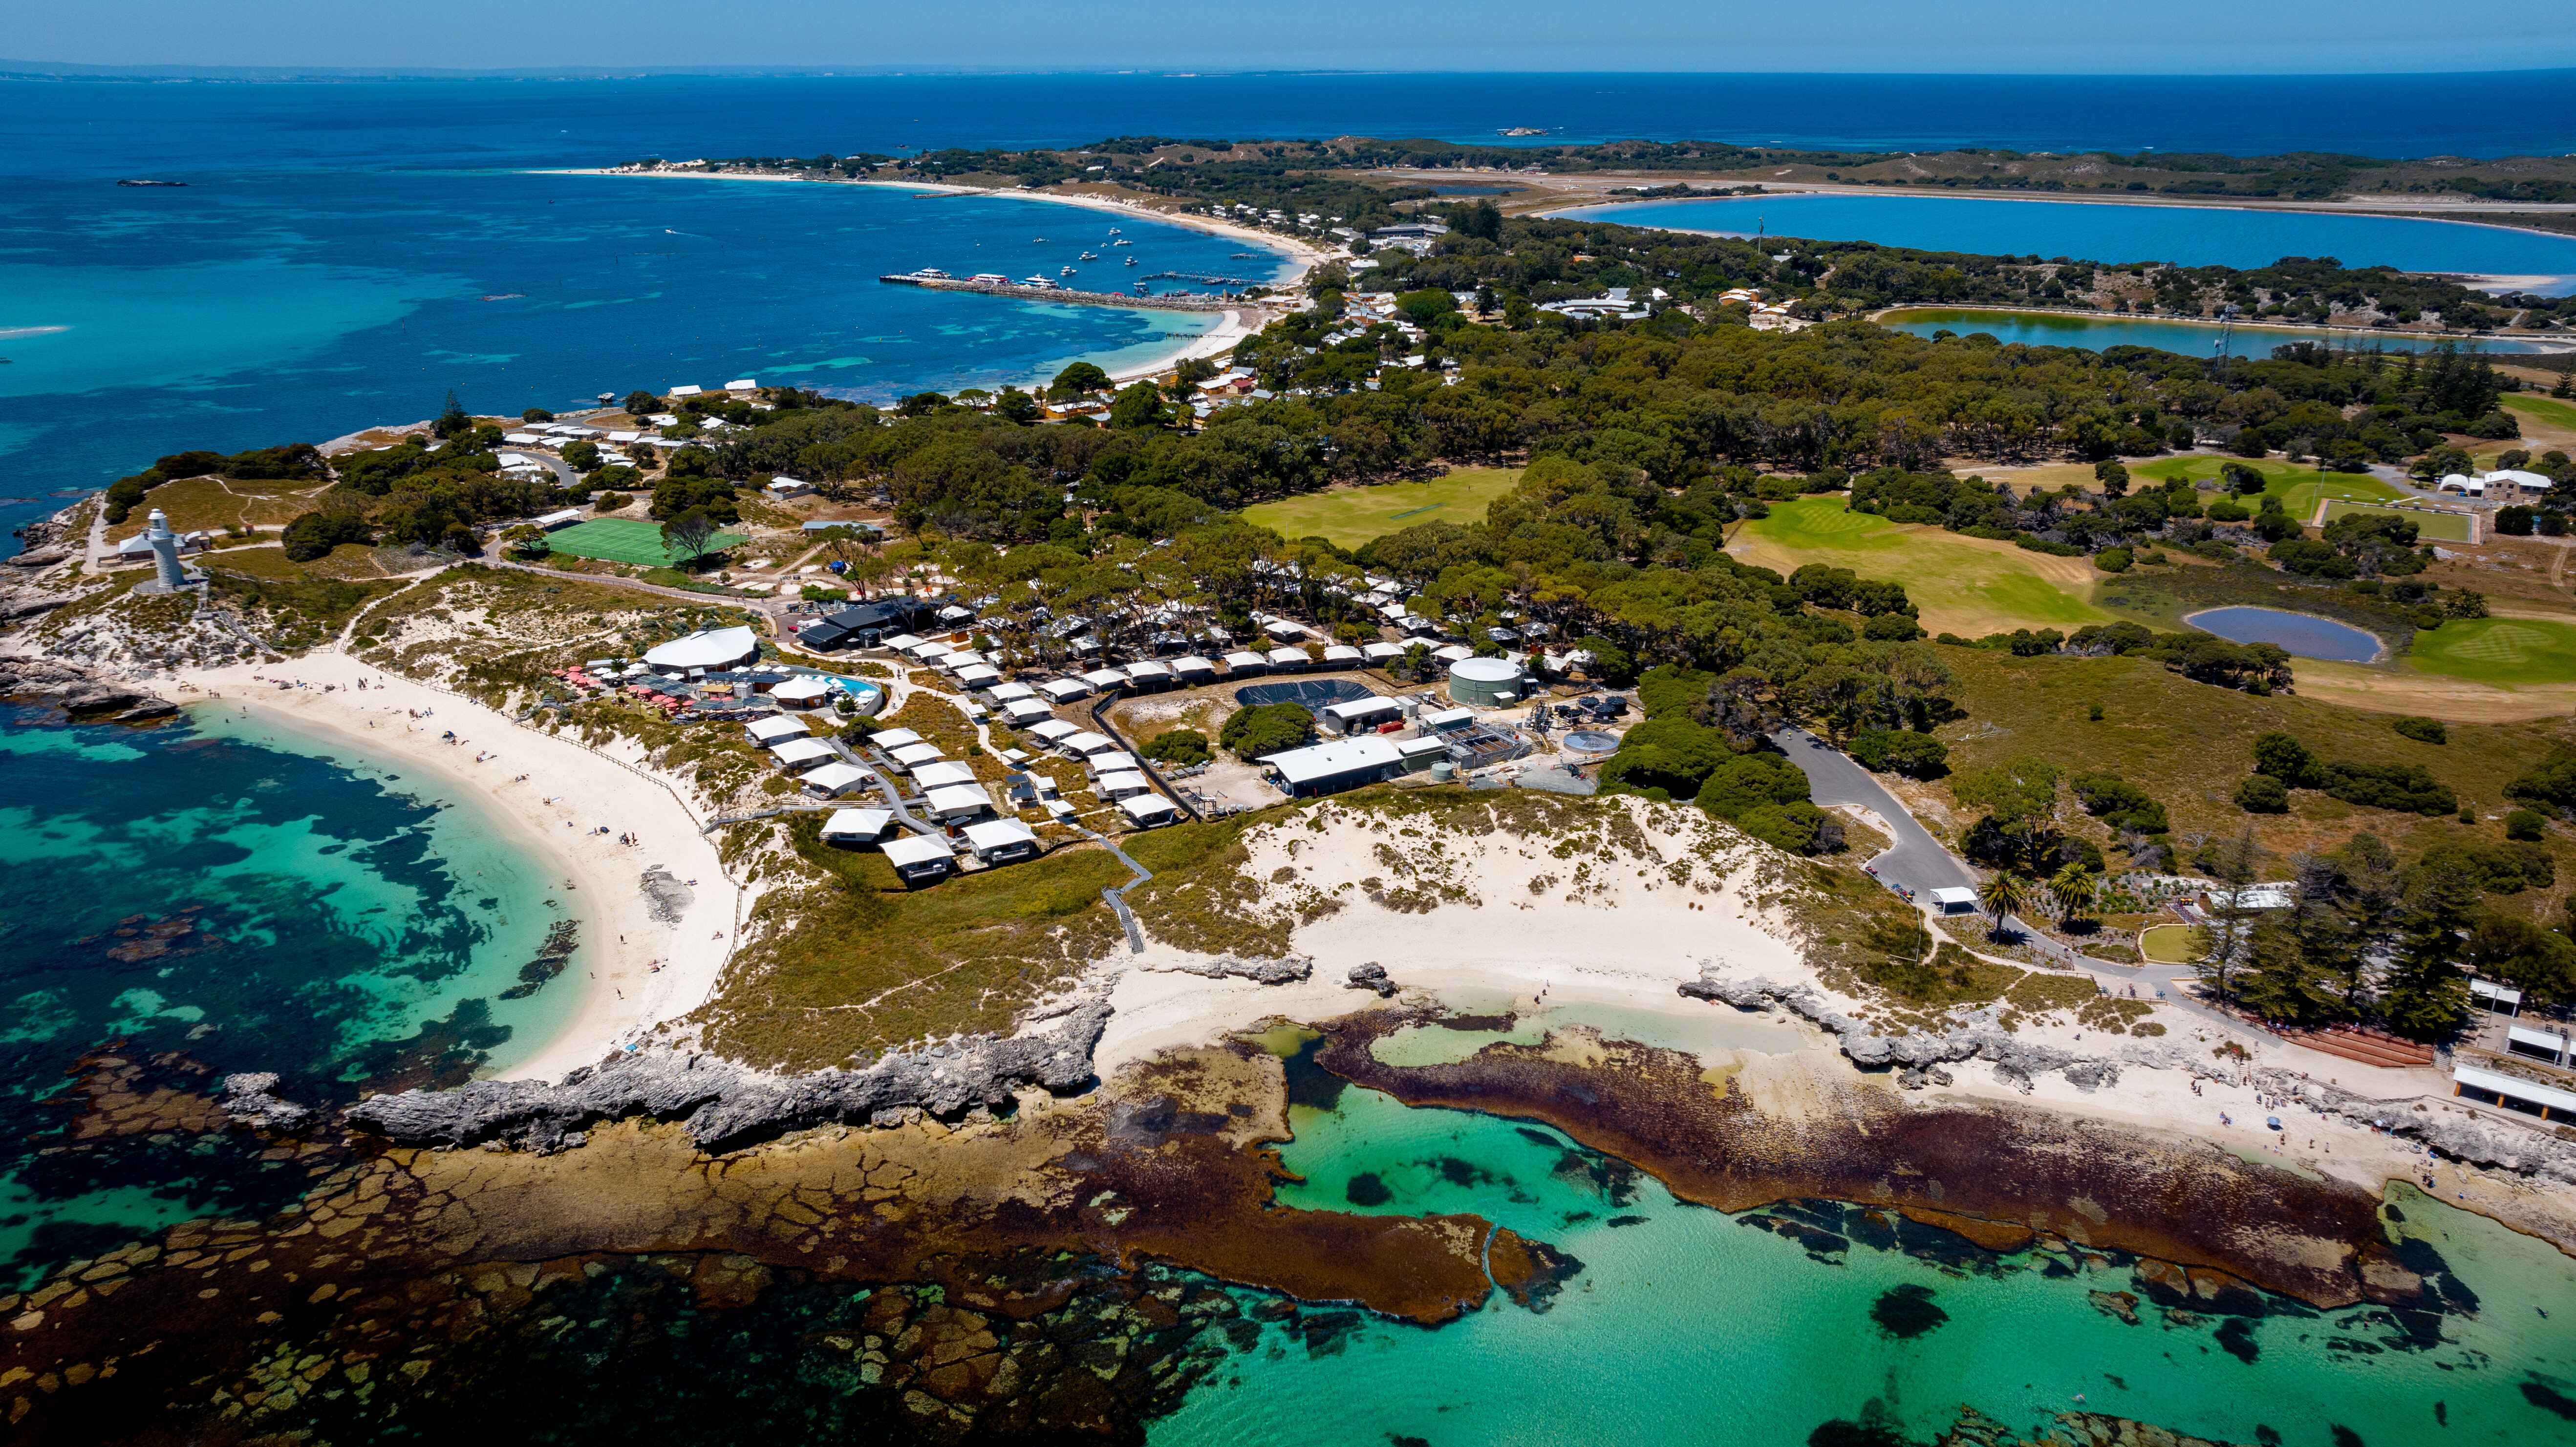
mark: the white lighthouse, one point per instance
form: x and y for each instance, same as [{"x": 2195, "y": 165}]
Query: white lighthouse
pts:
[{"x": 168, "y": 576}]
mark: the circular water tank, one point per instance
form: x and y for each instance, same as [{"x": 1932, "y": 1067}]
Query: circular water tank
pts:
[
  {"x": 1485, "y": 682},
  {"x": 1588, "y": 746},
  {"x": 1442, "y": 771}
]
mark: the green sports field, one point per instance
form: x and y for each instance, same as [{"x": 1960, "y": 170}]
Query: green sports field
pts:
[
  {"x": 625, "y": 540},
  {"x": 1350, "y": 516},
  {"x": 2174, "y": 944},
  {"x": 1968, "y": 586},
  {"x": 2436, "y": 527},
  {"x": 2498, "y": 650},
  {"x": 2297, "y": 484}
]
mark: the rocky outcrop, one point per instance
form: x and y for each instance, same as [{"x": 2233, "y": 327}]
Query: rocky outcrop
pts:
[
  {"x": 251, "y": 1099},
  {"x": 1259, "y": 969},
  {"x": 2494, "y": 1145},
  {"x": 1371, "y": 976},
  {"x": 1916, "y": 1054},
  {"x": 76, "y": 690},
  {"x": 723, "y": 1106}
]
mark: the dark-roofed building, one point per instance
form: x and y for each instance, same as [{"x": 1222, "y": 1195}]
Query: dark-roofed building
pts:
[{"x": 866, "y": 624}]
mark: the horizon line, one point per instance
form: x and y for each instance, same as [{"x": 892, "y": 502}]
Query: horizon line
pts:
[{"x": 11, "y": 69}]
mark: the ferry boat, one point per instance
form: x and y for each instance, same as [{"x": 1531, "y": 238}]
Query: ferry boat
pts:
[
  {"x": 931, "y": 273},
  {"x": 1037, "y": 281},
  {"x": 990, "y": 278}
]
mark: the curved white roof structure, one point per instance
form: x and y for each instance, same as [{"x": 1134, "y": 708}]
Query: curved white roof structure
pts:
[{"x": 712, "y": 648}]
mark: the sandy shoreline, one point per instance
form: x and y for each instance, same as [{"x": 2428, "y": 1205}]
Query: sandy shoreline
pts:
[
  {"x": 566, "y": 794},
  {"x": 1237, "y": 324},
  {"x": 1881, "y": 316}
]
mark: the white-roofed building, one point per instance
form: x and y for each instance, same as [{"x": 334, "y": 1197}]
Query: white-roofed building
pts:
[
  {"x": 1105, "y": 679},
  {"x": 902, "y": 641},
  {"x": 1052, "y": 731},
  {"x": 1086, "y": 743},
  {"x": 1343, "y": 655},
  {"x": 1146, "y": 674},
  {"x": 708, "y": 648},
  {"x": 1065, "y": 690},
  {"x": 1193, "y": 670},
  {"x": 977, "y": 676},
  {"x": 956, "y": 801},
  {"x": 778, "y": 728},
  {"x": 1002, "y": 841},
  {"x": 1361, "y": 715},
  {"x": 1288, "y": 660},
  {"x": 1954, "y": 899},
  {"x": 1246, "y": 662},
  {"x": 1148, "y": 810},
  {"x": 833, "y": 780},
  {"x": 929, "y": 651},
  {"x": 742, "y": 384},
  {"x": 1112, "y": 761},
  {"x": 1021, "y": 712},
  {"x": 1007, "y": 692},
  {"x": 803, "y": 691},
  {"x": 941, "y": 774},
  {"x": 892, "y": 739},
  {"x": 798, "y": 755},
  {"x": 1381, "y": 654},
  {"x": 919, "y": 860},
  {"x": 1327, "y": 768},
  {"x": 1122, "y": 785},
  {"x": 913, "y": 756},
  {"x": 856, "y": 826}
]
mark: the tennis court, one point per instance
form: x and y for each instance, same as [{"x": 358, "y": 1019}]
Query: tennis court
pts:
[{"x": 625, "y": 540}]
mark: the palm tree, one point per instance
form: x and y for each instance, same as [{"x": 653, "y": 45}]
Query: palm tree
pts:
[
  {"x": 2002, "y": 896},
  {"x": 2075, "y": 890}
]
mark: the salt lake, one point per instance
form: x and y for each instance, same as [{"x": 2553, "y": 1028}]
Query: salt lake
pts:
[{"x": 2303, "y": 634}]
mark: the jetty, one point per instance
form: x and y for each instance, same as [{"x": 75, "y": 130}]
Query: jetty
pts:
[{"x": 1188, "y": 302}]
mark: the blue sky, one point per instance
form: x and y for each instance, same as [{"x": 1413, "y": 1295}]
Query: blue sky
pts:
[{"x": 2024, "y": 36}]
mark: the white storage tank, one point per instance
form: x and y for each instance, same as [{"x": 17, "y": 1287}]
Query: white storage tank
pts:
[{"x": 1485, "y": 682}]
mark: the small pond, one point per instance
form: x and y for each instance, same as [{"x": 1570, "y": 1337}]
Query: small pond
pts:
[{"x": 2304, "y": 634}]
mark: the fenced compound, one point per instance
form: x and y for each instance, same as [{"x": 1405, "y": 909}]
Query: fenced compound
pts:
[{"x": 1311, "y": 694}]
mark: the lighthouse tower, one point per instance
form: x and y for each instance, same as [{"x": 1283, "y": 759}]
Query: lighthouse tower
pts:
[{"x": 165, "y": 554}]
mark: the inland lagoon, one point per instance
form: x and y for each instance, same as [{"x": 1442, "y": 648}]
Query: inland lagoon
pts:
[
  {"x": 2303, "y": 634},
  {"x": 2117, "y": 234},
  {"x": 2193, "y": 339}
]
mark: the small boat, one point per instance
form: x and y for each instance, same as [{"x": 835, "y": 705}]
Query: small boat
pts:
[
  {"x": 1131, "y": 261},
  {"x": 1066, "y": 271},
  {"x": 1113, "y": 230},
  {"x": 1119, "y": 242},
  {"x": 139, "y": 181},
  {"x": 1088, "y": 256}
]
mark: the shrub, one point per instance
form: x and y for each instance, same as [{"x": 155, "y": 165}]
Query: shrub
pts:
[
  {"x": 1891, "y": 628},
  {"x": 1900, "y": 751},
  {"x": 2514, "y": 521},
  {"x": 314, "y": 534},
  {"x": 2423, "y": 730},
  {"x": 609, "y": 502},
  {"x": 2263, "y": 794},
  {"x": 1667, "y": 752},
  {"x": 2288, "y": 760},
  {"x": 2404, "y": 787},
  {"x": 2524, "y": 824},
  {"x": 1266, "y": 729},
  {"x": 1671, "y": 689},
  {"x": 2114, "y": 560},
  {"x": 2117, "y": 802},
  {"x": 1182, "y": 747}
]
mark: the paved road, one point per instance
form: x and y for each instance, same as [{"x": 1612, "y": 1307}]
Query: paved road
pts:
[{"x": 1917, "y": 861}]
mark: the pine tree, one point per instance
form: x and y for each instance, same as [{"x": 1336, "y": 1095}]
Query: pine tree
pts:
[
  {"x": 2229, "y": 919},
  {"x": 453, "y": 420},
  {"x": 2428, "y": 996},
  {"x": 2298, "y": 959}
]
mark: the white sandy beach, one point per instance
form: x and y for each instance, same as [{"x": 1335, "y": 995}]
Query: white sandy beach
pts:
[{"x": 555, "y": 795}]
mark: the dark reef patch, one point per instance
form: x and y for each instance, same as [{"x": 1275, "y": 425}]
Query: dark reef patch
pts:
[
  {"x": 1906, "y": 1312},
  {"x": 1367, "y": 1189}
]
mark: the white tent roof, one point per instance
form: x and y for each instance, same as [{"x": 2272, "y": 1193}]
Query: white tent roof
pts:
[
  {"x": 710, "y": 648},
  {"x": 1054, "y": 730},
  {"x": 957, "y": 799},
  {"x": 913, "y": 756},
  {"x": 1371, "y": 707},
  {"x": 801, "y": 753},
  {"x": 1289, "y": 658},
  {"x": 978, "y": 675},
  {"x": 1005, "y": 692},
  {"x": 1114, "y": 761},
  {"x": 836, "y": 778},
  {"x": 1064, "y": 690},
  {"x": 1145, "y": 668},
  {"x": 857, "y": 823},
  {"x": 908, "y": 850},
  {"x": 1148, "y": 808},
  {"x": 1105, "y": 678},
  {"x": 893, "y": 738},
  {"x": 1954, "y": 895},
  {"x": 1246, "y": 660},
  {"x": 1024, "y": 710},
  {"x": 799, "y": 690},
  {"x": 1341, "y": 653},
  {"x": 1192, "y": 664},
  {"x": 1119, "y": 785},
  {"x": 776, "y": 729},
  {"x": 1087, "y": 743},
  {"x": 1380, "y": 652},
  {"x": 902, "y": 641},
  {"x": 942, "y": 774},
  {"x": 993, "y": 834}
]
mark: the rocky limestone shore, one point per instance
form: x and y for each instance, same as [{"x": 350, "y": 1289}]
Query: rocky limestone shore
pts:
[
  {"x": 1259, "y": 969},
  {"x": 79, "y": 691},
  {"x": 723, "y": 1106},
  {"x": 1918, "y": 1054}
]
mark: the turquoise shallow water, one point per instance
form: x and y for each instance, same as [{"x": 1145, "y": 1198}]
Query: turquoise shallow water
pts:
[
  {"x": 329, "y": 920},
  {"x": 1688, "y": 1326}
]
